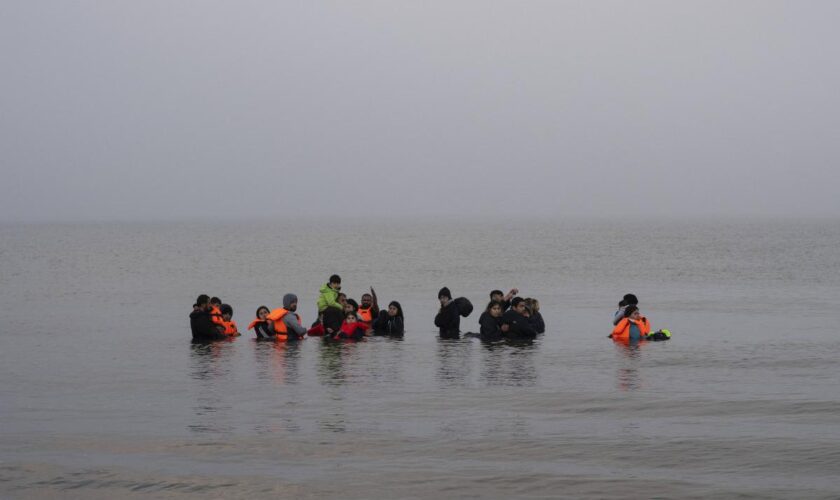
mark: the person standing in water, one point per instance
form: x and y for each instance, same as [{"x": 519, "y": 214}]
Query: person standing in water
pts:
[{"x": 448, "y": 318}]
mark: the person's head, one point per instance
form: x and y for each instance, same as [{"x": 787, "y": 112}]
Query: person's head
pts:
[
  {"x": 367, "y": 300},
  {"x": 494, "y": 308},
  {"x": 395, "y": 309},
  {"x": 342, "y": 299},
  {"x": 533, "y": 305},
  {"x": 262, "y": 312},
  {"x": 227, "y": 311},
  {"x": 290, "y": 301},
  {"x": 632, "y": 312},
  {"x": 631, "y": 300},
  {"x": 348, "y": 308},
  {"x": 444, "y": 296},
  {"x": 622, "y": 303},
  {"x": 350, "y": 317},
  {"x": 496, "y": 295},
  {"x": 335, "y": 282},
  {"x": 518, "y": 305},
  {"x": 202, "y": 302}
]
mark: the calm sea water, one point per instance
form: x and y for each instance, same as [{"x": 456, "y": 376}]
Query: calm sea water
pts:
[{"x": 104, "y": 396}]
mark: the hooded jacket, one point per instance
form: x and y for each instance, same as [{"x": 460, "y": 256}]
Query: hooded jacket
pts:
[
  {"x": 520, "y": 326},
  {"x": 385, "y": 324},
  {"x": 448, "y": 319},
  {"x": 328, "y": 298}
]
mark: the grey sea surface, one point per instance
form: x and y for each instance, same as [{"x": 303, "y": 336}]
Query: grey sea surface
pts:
[{"x": 104, "y": 396}]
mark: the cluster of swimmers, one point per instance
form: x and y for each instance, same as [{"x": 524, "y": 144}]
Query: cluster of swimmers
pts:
[{"x": 507, "y": 316}]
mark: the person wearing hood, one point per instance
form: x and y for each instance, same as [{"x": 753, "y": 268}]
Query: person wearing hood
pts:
[
  {"x": 390, "y": 322},
  {"x": 448, "y": 318},
  {"x": 287, "y": 322}
]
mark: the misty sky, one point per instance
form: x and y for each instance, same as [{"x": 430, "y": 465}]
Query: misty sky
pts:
[{"x": 181, "y": 109}]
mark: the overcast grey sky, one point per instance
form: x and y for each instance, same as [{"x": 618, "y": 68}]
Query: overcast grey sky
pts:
[{"x": 178, "y": 109}]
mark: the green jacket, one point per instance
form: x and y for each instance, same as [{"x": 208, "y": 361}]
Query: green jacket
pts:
[{"x": 328, "y": 298}]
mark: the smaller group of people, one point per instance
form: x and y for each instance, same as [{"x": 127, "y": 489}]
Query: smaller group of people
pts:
[
  {"x": 212, "y": 320},
  {"x": 505, "y": 317}
]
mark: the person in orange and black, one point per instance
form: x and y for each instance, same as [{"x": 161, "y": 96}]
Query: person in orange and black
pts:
[
  {"x": 216, "y": 313},
  {"x": 203, "y": 328},
  {"x": 227, "y": 321},
  {"x": 633, "y": 327},
  {"x": 262, "y": 326},
  {"x": 369, "y": 308},
  {"x": 351, "y": 329},
  {"x": 287, "y": 322}
]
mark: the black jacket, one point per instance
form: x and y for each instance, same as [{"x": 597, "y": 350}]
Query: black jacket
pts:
[
  {"x": 388, "y": 325},
  {"x": 520, "y": 326},
  {"x": 537, "y": 322},
  {"x": 490, "y": 327},
  {"x": 449, "y": 321},
  {"x": 204, "y": 330}
]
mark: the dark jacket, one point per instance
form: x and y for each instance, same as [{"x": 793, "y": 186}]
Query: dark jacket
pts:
[
  {"x": 490, "y": 327},
  {"x": 203, "y": 329},
  {"x": 520, "y": 326},
  {"x": 388, "y": 325},
  {"x": 537, "y": 322},
  {"x": 449, "y": 321}
]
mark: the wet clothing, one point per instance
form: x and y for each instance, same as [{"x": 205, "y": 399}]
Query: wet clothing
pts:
[
  {"x": 385, "y": 324},
  {"x": 203, "y": 328},
  {"x": 448, "y": 320},
  {"x": 354, "y": 331},
  {"x": 631, "y": 330},
  {"x": 490, "y": 327},
  {"x": 332, "y": 319},
  {"x": 520, "y": 326},
  {"x": 262, "y": 329},
  {"x": 537, "y": 322},
  {"x": 328, "y": 299}
]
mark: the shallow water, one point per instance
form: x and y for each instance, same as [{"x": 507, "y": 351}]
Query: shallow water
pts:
[{"x": 104, "y": 395}]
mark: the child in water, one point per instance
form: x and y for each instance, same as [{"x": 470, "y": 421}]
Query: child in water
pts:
[
  {"x": 262, "y": 326},
  {"x": 352, "y": 328},
  {"x": 228, "y": 324}
]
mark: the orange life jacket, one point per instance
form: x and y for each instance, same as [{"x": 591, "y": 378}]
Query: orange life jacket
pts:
[
  {"x": 216, "y": 315},
  {"x": 621, "y": 332},
  {"x": 230, "y": 327},
  {"x": 280, "y": 327},
  {"x": 365, "y": 315},
  {"x": 255, "y": 322}
]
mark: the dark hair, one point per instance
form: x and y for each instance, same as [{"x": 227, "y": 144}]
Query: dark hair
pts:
[
  {"x": 493, "y": 303},
  {"x": 516, "y": 301},
  {"x": 340, "y": 294},
  {"x": 260, "y": 309},
  {"x": 215, "y": 300},
  {"x": 399, "y": 308},
  {"x": 226, "y": 309},
  {"x": 444, "y": 292},
  {"x": 202, "y": 300},
  {"x": 353, "y": 303},
  {"x": 367, "y": 295},
  {"x": 630, "y": 310},
  {"x": 497, "y": 292},
  {"x": 335, "y": 278},
  {"x": 631, "y": 299}
]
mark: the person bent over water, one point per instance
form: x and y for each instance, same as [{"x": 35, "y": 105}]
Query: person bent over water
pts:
[
  {"x": 287, "y": 322},
  {"x": 203, "y": 328},
  {"x": 390, "y": 322}
]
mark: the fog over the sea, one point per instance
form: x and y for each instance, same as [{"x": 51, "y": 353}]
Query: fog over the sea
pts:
[{"x": 136, "y": 110}]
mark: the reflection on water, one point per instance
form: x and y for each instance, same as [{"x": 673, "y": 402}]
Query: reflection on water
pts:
[
  {"x": 509, "y": 363},
  {"x": 277, "y": 361},
  {"x": 627, "y": 371},
  {"x": 210, "y": 362},
  {"x": 453, "y": 361}
]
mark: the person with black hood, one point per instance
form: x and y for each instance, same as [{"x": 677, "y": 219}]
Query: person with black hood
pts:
[
  {"x": 517, "y": 320},
  {"x": 628, "y": 300},
  {"x": 203, "y": 328},
  {"x": 448, "y": 318},
  {"x": 390, "y": 322}
]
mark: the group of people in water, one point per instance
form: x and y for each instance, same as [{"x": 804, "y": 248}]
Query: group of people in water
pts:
[{"x": 507, "y": 316}]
